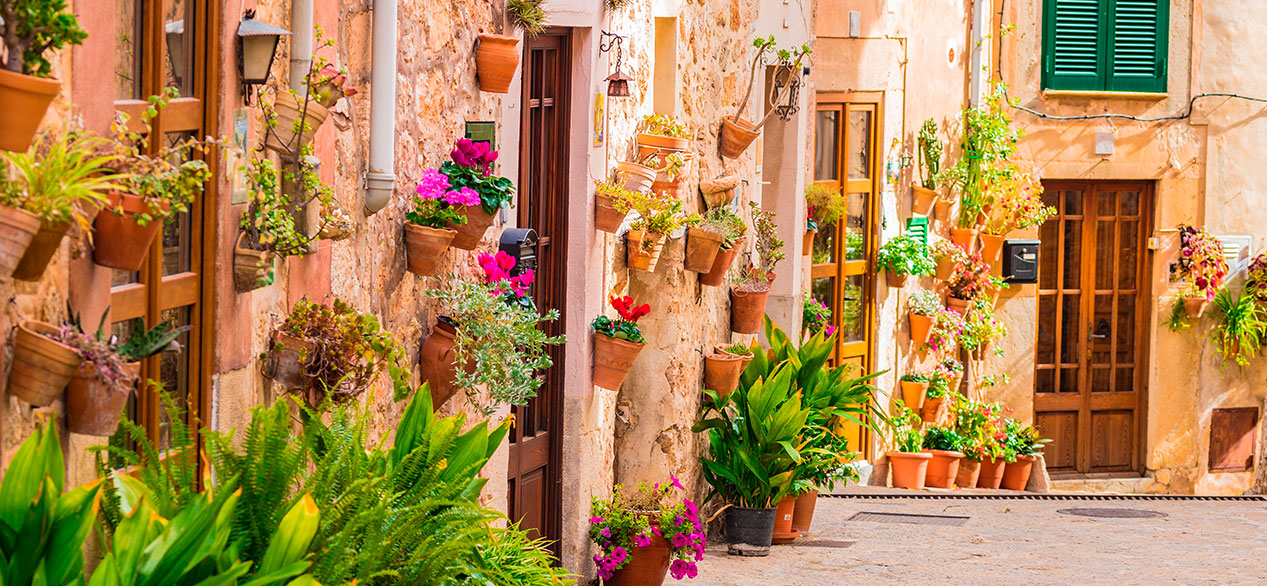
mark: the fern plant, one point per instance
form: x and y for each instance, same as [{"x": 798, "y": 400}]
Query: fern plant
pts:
[{"x": 1240, "y": 329}]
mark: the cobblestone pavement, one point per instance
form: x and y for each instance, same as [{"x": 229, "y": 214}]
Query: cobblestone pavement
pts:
[{"x": 1012, "y": 542}]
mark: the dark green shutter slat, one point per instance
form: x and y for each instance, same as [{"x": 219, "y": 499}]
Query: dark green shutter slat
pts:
[
  {"x": 1073, "y": 43},
  {"x": 1105, "y": 45},
  {"x": 918, "y": 228},
  {"x": 1138, "y": 36}
]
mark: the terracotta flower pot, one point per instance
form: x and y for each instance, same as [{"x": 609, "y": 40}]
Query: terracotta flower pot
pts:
[
  {"x": 659, "y": 142},
  {"x": 909, "y": 468},
  {"x": 437, "y": 362},
  {"x": 807, "y": 242},
  {"x": 118, "y": 240},
  {"x": 636, "y": 177},
  {"x": 468, "y": 235},
  {"x": 44, "y": 245},
  {"x": 647, "y": 566},
  {"x": 671, "y": 188},
  {"x": 92, "y": 408},
  {"x": 942, "y": 209},
  {"x": 41, "y": 367},
  {"x": 26, "y": 99},
  {"x": 747, "y": 310},
  {"x": 895, "y": 280},
  {"x": 913, "y": 394},
  {"x": 991, "y": 475},
  {"x": 922, "y": 200},
  {"x": 1194, "y": 307},
  {"x": 721, "y": 264},
  {"x": 702, "y": 247},
  {"x": 721, "y": 372},
  {"x": 803, "y": 515},
  {"x": 921, "y": 328},
  {"x": 965, "y": 238},
  {"x": 606, "y": 217},
  {"x": 942, "y": 468},
  {"x": 642, "y": 250},
  {"x": 719, "y": 198},
  {"x": 945, "y": 268},
  {"x": 496, "y": 61},
  {"x": 959, "y": 305},
  {"x": 991, "y": 248},
  {"x": 954, "y": 381},
  {"x": 736, "y": 136},
  {"x": 931, "y": 411},
  {"x": 969, "y": 471},
  {"x": 288, "y": 107},
  {"x": 252, "y": 269},
  {"x": 783, "y": 531},
  {"x": 287, "y": 362},
  {"x": 424, "y": 246},
  {"x": 17, "y": 228},
  {"x": 613, "y": 358},
  {"x": 1016, "y": 474}
]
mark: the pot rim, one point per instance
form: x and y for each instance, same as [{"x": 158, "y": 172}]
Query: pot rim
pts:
[
  {"x": 908, "y": 455},
  {"x": 47, "y": 86},
  {"x": 947, "y": 453}
]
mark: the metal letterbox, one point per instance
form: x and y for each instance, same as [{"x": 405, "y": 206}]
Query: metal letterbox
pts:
[
  {"x": 520, "y": 244},
  {"x": 1020, "y": 261}
]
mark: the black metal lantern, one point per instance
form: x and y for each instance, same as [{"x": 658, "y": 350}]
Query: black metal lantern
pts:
[
  {"x": 617, "y": 83},
  {"x": 257, "y": 47}
]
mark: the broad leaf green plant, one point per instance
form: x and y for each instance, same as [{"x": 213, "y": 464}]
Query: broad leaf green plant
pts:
[
  {"x": 63, "y": 179},
  {"x": 31, "y": 29},
  {"x": 1238, "y": 333}
]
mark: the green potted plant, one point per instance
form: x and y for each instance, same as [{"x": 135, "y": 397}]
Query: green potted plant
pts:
[
  {"x": 723, "y": 366},
  {"x": 661, "y": 134},
  {"x": 1203, "y": 268},
  {"x": 952, "y": 371},
  {"x": 704, "y": 239},
  {"x": 988, "y": 142},
  {"x": 943, "y": 443},
  {"x": 479, "y": 194},
  {"x": 903, "y": 256},
  {"x": 981, "y": 425},
  {"x": 670, "y": 168},
  {"x": 292, "y": 118},
  {"x": 935, "y": 396},
  {"x": 922, "y": 311},
  {"x": 907, "y": 462},
  {"x": 31, "y": 30},
  {"x": 1025, "y": 442},
  {"x": 60, "y": 182},
  {"x": 607, "y": 215},
  {"x": 1241, "y": 327},
  {"x": 659, "y": 214},
  {"x": 152, "y": 188},
  {"x": 947, "y": 325},
  {"x": 970, "y": 280},
  {"x": 930, "y": 149},
  {"x": 737, "y": 133},
  {"x": 981, "y": 329},
  {"x": 749, "y": 292},
  {"x": 427, "y": 236},
  {"x": 1256, "y": 278},
  {"x": 617, "y": 342},
  {"x": 824, "y": 206},
  {"x": 1018, "y": 205},
  {"x": 913, "y": 384},
  {"x": 947, "y": 255},
  {"x": 643, "y": 534},
  {"x": 266, "y": 229},
  {"x": 732, "y": 229}
]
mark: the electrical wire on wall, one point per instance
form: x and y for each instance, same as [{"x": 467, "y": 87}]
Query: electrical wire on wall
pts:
[{"x": 1184, "y": 116}]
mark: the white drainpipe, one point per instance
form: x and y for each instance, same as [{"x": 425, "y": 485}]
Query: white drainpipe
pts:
[
  {"x": 300, "y": 44},
  {"x": 980, "y": 74},
  {"x": 380, "y": 181}
]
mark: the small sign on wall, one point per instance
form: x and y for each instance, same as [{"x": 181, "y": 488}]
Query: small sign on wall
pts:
[
  {"x": 237, "y": 174},
  {"x": 600, "y": 119}
]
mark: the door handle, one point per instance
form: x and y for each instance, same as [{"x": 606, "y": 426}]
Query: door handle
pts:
[{"x": 1101, "y": 330}]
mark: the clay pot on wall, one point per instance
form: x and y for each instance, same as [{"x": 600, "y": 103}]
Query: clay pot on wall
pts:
[
  {"x": 17, "y": 228},
  {"x": 702, "y": 247},
  {"x": 749, "y": 530},
  {"x": 945, "y": 268},
  {"x": 496, "y": 61},
  {"x": 991, "y": 475},
  {"x": 647, "y": 565},
  {"x": 40, "y": 251},
  {"x": 118, "y": 240},
  {"x": 26, "y": 99},
  {"x": 437, "y": 361},
  {"x": 719, "y": 192},
  {"x": 424, "y": 246},
  {"x": 942, "y": 468},
  {"x": 747, "y": 310},
  {"x": 922, "y": 200},
  {"x": 991, "y": 248},
  {"x": 895, "y": 280},
  {"x": 721, "y": 264},
  {"x": 803, "y": 515},
  {"x": 736, "y": 136},
  {"x": 642, "y": 250},
  {"x": 960, "y": 306},
  {"x": 606, "y": 217},
  {"x": 613, "y": 358},
  {"x": 969, "y": 471},
  {"x": 283, "y": 139},
  {"x": 721, "y": 372},
  {"x": 942, "y": 209},
  {"x": 913, "y": 394},
  {"x": 41, "y": 367},
  {"x": 807, "y": 242},
  {"x": 660, "y": 143},
  {"x": 252, "y": 269},
  {"x": 930, "y": 412},
  {"x": 92, "y": 408},
  {"x": 1016, "y": 474},
  {"x": 469, "y": 234},
  {"x": 921, "y": 329},
  {"x": 1194, "y": 307},
  {"x": 965, "y": 238},
  {"x": 636, "y": 177},
  {"x": 287, "y": 362},
  {"x": 783, "y": 531},
  {"x": 909, "y": 468}
]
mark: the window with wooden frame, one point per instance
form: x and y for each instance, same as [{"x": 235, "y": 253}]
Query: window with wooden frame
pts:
[{"x": 1105, "y": 45}]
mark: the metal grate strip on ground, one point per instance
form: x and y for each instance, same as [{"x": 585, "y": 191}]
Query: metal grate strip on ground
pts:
[
  {"x": 1035, "y": 496},
  {"x": 947, "y": 520}
]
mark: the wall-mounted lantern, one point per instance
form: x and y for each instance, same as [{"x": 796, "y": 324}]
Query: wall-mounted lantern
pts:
[
  {"x": 257, "y": 46},
  {"x": 617, "y": 83}
]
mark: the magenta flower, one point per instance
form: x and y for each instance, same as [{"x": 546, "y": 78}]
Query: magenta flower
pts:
[
  {"x": 433, "y": 185},
  {"x": 462, "y": 197},
  {"x": 676, "y": 484},
  {"x": 642, "y": 540},
  {"x": 680, "y": 540}
]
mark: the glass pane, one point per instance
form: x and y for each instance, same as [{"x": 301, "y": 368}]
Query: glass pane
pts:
[
  {"x": 1106, "y": 204},
  {"x": 1125, "y": 330},
  {"x": 851, "y": 305},
  {"x": 822, "y": 289},
  {"x": 1129, "y": 200},
  {"x": 1069, "y": 380},
  {"x": 1128, "y": 254},
  {"x": 1046, "y": 329},
  {"x": 1100, "y": 380},
  {"x": 1070, "y": 317},
  {"x": 825, "y": 246},
  {"x": 826, "y": 153},
  {"x": 1048, "y": 254},
  {"x": 178, "y": 66},
  {"x": 127, "y": 54},
  {"x": 859, "y": 148},
  {"x": 1101, "y": 335},
  {"x": 855, "y": 226},
  {"x": 173, "y": 369},
  {"x": 1105, "y": 251},
  {"x": 1045, "y": 381},
  {"x": 1073, "y": 203},
  {"x": 118, "y": 277},
  {"x": 177, "y": 232},
  {"x": 1125, "y": 380},
  {"x": 1072, "y": 278}
]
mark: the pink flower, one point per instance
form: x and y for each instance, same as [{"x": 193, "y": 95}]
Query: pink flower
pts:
[
  {"x": 676, "y": 484},
  {"x": 680, "y": 540},
  {"x": 433, "y": 185},
  {"x": 642, "y": 540},
  {"x": 462, "y": 197}
]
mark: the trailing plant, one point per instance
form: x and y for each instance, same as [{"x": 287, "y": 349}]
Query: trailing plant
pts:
[
  {"x": 626, "y": 327},
  {"x": 981, "y": 425},
  {"x": 1241, "y": 327},
  {"x": 1256, "y": 278},
  {"x": 31, "y": 29},
  {"x": 436, "y": 204},
  {"x": 815, "y": 316},
  {"x": 914, "y": 377},
  {"x": 924, "y": 302},
  {"x": 1178, "y": 320},
  {"x": 757, "y": 276},
  {"x": 1017, "y": 202},
  {"x": 268, "y": 222},
  {"x": 61, "y": 179},
  {"x": 988, "y": 142},
  {"x": 471, "y": 167},
  {"x": 942, "y": 438},
  {"x": 824, "y": 206},
  {"x": 658, "y": 213},
  {"x": 664, "y": 125},
  {"x": 930, "y": 150},
  {"x": 723, "y": 221},
  {"x": 1201, "y": 263},
  {"x": 971, "y": 279},
  {"x": 527, "y": 15},
  {"x": 619, "y": 526},
  {"x": 938, "y": 385},
  {"x": 981, "y": 327},
  {"x": 905, "y": 255},
  {"x": 905, "y": 428},
  {"x": 947, "y": 326},
  {"x": 787, "y": 68}
]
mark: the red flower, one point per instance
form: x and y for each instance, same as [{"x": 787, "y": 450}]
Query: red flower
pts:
[{"x": 625, "y": 307}]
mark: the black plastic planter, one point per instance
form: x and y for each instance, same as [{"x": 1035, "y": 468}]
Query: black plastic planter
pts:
[{"x": 749, "y": 530}]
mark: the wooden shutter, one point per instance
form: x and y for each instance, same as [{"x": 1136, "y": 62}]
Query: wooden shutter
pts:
[
  {"x": 1074, "y": 45},
  {"x": 1105, "y": 45},
  {"x": 1139, "y": 40},
  {"x": 918, "y": 228}
]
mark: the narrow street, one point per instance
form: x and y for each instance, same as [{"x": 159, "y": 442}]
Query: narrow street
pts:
[{"x": 1012, "y": 541}]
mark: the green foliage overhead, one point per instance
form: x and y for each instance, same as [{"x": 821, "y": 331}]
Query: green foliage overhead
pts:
[
  {"x": 60, "y": 179},
  {"x": 31, "y": 29}
]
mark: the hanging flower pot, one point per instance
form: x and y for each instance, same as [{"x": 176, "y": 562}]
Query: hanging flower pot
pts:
[
  {"x": 702, "y": 247},
  {"x": 647, "y": 566},
  {"x": 913, "y": 394},
  {"x": 437, "y": 361},
  {"x": 783, "y": 531},
  {"x": 961, "y": 306},
  {"x": 636, "y": 177},
  {"x": 991, "y": 475},
  {"x": 921, "y": 328},
  {"x": 931, "y": 411},
  {"x": 750, "y": 530},
  {"x": 660, "y": 143},
  {"x": 424, "y": 246},
  {"x": 496, "y": 61},
  {"x": 747, "y": 310},
  {"x": 965, "y": 238},
  {"x": 1016, "y": 474},
  {"x": 17, "y": 228},
  {"x": 93, "y": 407},
  {"x": 119, "y": 241},
  {"x": 945, "y": 268},
  {"x": 922, "y": 200},
  {"x": 991, "y": 248},
  {"x": 642, "y": 250},
  {"x": 1194, "y": 307},
  {"x": 803, "y": 514},
  {"x": 736, "y": 136},
  {"x": 895, "y": 280},
  {"x": 942, "y": 209},
  {"x": 289, "y": 109},
  {"x": 287, "y": 362},
  {"x": 40, "y": 251},
  {"x": 969, "y": 471},
  {"x": 721, "y": 372},
  {"x": 909, "y": 468},
  {"x": 41, "y": 366},
  {"x": 721, "y": 264},
  {"x": 613, "y": 358},
  {"x": 469, "y": 234},
  {"x": 942, "y": 468},
  {"x": 807, "y": 242},
  {"x": 606, "y": 217},
  {"x": 26, "y": 99},
  {"x": 719, "y": 192},
  {"x": 252, "y": 269}
]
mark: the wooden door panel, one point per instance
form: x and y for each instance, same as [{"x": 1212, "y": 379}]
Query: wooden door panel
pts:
[
  {"x": 1111, "y": 440},
  {"x": 1062, "y": 429}
]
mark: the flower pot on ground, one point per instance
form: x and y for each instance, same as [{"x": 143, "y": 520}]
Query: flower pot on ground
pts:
[
  {"x": 909, "y": 469},
  {"x": 913, "y": 387},
  {"x": 424, "y": 248},
  {"x": 617, "y": 342},
  {"x": 289, "y": 109},
  {"x": 642, "y": 536},
  {"x": 783, "y": 532},
  {"x": 437, "y": 362},
  {"x": 702, "y": 247},
  {"x": 17, "y": 228},
  {"x": 991, "y": 248},
  {"x": 1016, "y": 474},
  {"x": 922, "y": 200},
  {"x": 991, "y": 475},
  {"x": 803, "y": 514},
  {"x": 749, "y": 531},
  {"x": 120, "y": 240},
  {"x": 649, "y": 567},
  {"x": 41, "y": 366},
  {"x": 471, "y": 232},
  {"x": 736, "y": 136},
  {"x": 943, "y": 467},
  {"x": 642, "y": 250},
  {"x": 965, "y": 238},
  {"x": 496, "y": 61},
  {"x": 969, "y": 472},
  {"x": 722, "y": 370}
]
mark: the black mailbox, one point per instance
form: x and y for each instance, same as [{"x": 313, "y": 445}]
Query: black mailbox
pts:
[
  {"x": 1020, "y": 261},
  {"x": 521, "y": 245}
]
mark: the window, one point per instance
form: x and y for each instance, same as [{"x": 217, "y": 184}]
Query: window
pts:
[{"x": 1105, "y": 45}]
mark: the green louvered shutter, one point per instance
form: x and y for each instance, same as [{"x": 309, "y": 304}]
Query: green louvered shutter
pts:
[
  {"x": 1139, "y": 40},
  {"x": 918, "y": 229},
  {"x": 1074, "y": 44}
]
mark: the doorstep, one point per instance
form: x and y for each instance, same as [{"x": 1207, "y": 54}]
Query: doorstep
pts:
[{"x": 1108, "y": 485}]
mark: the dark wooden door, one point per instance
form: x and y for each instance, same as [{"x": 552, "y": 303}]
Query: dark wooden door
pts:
[
  {"x": 536, "y": 441},
  {"x": 1092, "y": 318}
]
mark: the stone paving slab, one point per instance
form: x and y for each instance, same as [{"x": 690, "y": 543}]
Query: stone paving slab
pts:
[{"x": 1013, "y": 542}]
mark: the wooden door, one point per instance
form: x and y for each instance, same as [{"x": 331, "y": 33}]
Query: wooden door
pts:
[
  {"x": 168, "y": 44},
  {"x": 1091, "y": 352},
  {"x": 845, "y": 161},
  {"x": 536, "y": 441}
]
